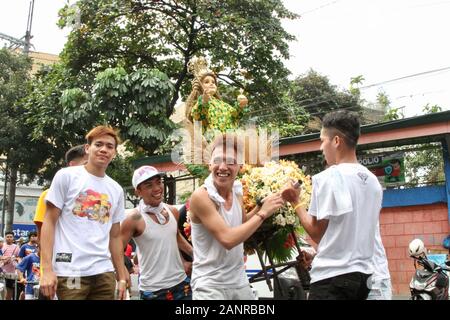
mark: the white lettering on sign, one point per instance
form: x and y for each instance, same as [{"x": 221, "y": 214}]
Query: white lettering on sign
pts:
[{"x": 369, "y": 161}]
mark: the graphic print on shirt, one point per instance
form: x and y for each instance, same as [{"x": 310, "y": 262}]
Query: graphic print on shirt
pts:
[
  {"x": 93, "y": 206},
  {"x": 35, "y": 269},
  {"x": 363, "y": 176}
]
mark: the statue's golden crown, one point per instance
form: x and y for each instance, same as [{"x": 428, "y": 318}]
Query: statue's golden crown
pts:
[{"x": 198, "y": 66}]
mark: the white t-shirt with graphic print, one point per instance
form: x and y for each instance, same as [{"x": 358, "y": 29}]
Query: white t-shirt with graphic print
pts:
[
  {"x": 89, "y": 206},
  {"x": 349, "y": 196}
]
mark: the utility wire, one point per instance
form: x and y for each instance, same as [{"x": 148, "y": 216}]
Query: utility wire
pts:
[
  {"x": 405, "y": 77},
  {"x": 320, "y": 7}
]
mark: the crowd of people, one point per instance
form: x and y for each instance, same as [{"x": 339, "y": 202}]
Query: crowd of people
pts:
[
  {"x": 84, "y": 229},
  {"x": 82, "y": 247}
]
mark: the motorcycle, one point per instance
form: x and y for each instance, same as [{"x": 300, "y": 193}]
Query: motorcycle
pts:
[{"x": 430, "y": 281}]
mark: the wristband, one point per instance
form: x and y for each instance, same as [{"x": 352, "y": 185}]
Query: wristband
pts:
[{"x": 298, "y": 205}]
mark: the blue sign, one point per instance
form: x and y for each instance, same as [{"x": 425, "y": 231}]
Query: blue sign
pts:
[{"x": 22, "y": 230}]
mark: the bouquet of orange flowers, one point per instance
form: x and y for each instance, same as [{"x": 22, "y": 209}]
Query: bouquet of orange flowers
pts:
[{"x": 274, "y": 236}]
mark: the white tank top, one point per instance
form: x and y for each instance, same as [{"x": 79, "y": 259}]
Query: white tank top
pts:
[
  {"x": 159, "y": 258},
  {"x": 215, "y": 266}
]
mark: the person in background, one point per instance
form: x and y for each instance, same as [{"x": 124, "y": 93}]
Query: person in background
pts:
[
  {"x": 30, "y": 246},
  {"x": 75, "y": 156},
  {"x": 10, "y": 251},
  {"x": 28, "y": 273},
  {"x": 381, "y": 288}
]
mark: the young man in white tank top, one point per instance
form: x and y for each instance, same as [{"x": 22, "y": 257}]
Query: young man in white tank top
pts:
[
  {"x": 154, "y": 228},
  {"x": 220, "y": 225}
]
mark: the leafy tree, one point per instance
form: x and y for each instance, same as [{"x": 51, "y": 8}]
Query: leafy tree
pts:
[
  {"x": 21, "y": 154},
  {"x": 244, "y": 40},
  {"x": 109, "y": 67},
  {"x": 132, "y": 102},
  {"x": 383, "y": 101},
  {"x": 393, "y": 114},
  {"x": 314, "y": 96},
  {"x": 426, "y": 166}
]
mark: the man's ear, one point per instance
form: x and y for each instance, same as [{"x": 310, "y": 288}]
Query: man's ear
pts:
[
  {"x": 137, "y": 193},
  {"x": 337, "y": 140}
]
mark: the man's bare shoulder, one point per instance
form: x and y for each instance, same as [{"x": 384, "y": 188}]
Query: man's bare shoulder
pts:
[
  {"x": 133, "y": 214},
  {"x": 200, "y": 195}
]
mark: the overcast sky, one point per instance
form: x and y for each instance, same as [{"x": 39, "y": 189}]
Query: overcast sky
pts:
[{"x": 379, "y": 39}]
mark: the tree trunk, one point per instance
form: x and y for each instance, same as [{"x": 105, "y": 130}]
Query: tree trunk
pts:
[{"x": 11, "y": 198}]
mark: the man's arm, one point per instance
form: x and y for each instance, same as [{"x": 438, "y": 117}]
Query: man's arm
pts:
[
  {"x": 48, "y": 281},
  {"x": 205, "y": 212},
  {"x": 116, "y": 249},
  {"x": 182, "y": 243},
  {"x": 247, "y": 215},
  {"x": 128, "y": 226},
  {"x": 20, "y": 277},
  {"x": 315, "y": 228},
  {"x": 40, "y": 213},
  {"x": 21, "y": 267}
]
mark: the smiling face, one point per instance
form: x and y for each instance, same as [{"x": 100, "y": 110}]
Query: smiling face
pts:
[
  {"x": 101, "y": 151},
  {"x": 224, "y": 167},
  {"x": 151, "y": 191}
]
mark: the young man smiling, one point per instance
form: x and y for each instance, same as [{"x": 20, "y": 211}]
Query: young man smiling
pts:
[
  {"x": 154, "y": 228},
  {"x": 220, "y": 225},
  {"x": 81, "y": 229}
]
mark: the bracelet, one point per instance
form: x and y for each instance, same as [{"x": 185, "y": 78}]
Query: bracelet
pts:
[
  {"x": 260, "y": 216},
  {"x": 298, "y": 205},
  {"x": 123, "y": 281}
]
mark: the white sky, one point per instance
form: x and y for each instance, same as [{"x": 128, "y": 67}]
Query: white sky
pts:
[{"x": 379, "y": 39}]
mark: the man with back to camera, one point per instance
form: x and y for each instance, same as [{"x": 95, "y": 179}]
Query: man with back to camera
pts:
[
  {"x": 343, "y": 214},
  {"x": 81, "y": 229}
]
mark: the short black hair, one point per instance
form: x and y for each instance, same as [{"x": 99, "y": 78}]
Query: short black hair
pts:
[
  {"x": 9, "y": 232},
  {"x": 32, "y": 234},
  {"x": 345, "y": 123},
  {"x": 75, "y": 153}
]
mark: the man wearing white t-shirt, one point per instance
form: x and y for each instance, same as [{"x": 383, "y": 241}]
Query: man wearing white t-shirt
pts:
[
  {"x": 81, "y": 229},
  {"x": 381, "y": 287},
  {"x": 343, "y": 214}
]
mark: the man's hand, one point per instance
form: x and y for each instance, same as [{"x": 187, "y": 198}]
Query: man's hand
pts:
[
  {"x": 271, "y": 204},
  {"x": 187, "y": 267},
  {"x": 290, "y": 193},
  {"x": 23, "y": 281},
  {"x": 48, "y": 284},
  {"x": 305, "y": 258},
  {"x": 121, "y": 289}
]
